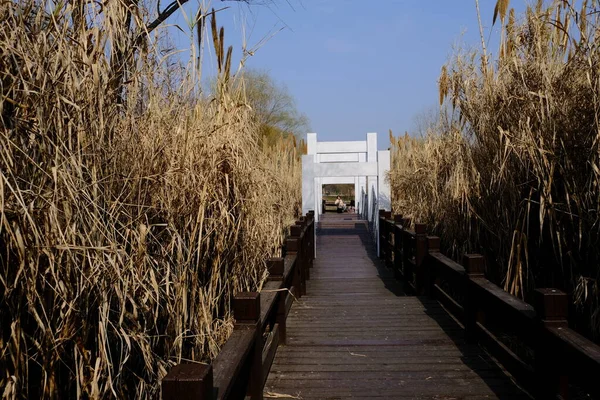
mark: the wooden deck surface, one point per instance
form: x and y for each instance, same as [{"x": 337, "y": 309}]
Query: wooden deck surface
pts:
[{"x": 355, "y": 335}]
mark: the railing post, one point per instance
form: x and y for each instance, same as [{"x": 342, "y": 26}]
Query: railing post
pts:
[
  {"x": 276, "y": 267},
  {"x": 246, "y": 311},
  {"x": 387, "y": 247},
  {"x": 433, "y": 246},
  {"x": 398, "y": 227},
  {"x": 380, "y": 233},
  {"x": 292, "y": 245},
  {"x": 313, "y": 254},
  {"x": 303, "y": 222},
  {"x": 188, "y": 382},
  {"x": 420, "y": 254},
  {"x": 551, "y": 306},
  {"x": 296, "y": 233},
  {"x": 407, "y": 252},
  {"x": 474, "y": 265}
]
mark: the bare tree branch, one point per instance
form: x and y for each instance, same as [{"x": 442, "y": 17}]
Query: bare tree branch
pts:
[{"x": 166, "y": 13}]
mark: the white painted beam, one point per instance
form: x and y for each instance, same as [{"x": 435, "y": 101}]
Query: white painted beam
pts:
[
  {"x": 345, "y": 169},
  {"x": 311, "y": 143},
  {"x": 341, "y": 180},
  {"x": 342, "y": 147},
  {"x": 338, "y": 157}
]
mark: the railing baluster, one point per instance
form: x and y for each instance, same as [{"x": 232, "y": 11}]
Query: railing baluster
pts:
[
  {"x": 433, "y": 246},
  {"x": 246, "y": 311},
  {"x": 276, "y": 267},
  {"x": 397, "y": 266},
  {"x": 296, "y": 233},
  {"x": 292, "y": 245},
  {"x": 420, "y": 253},
  {"x": 474, "y": 265},
  {"x": 551, "y": 306},
  {"x": 188, "y": 382}
]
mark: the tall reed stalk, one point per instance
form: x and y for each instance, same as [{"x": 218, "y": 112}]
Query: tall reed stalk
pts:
[
  {"x": 130, "y": 210},
  {"x": 512, "y": 166}
]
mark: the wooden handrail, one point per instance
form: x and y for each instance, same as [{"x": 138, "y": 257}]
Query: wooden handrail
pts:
[
  {"x": 243, "y": 363},
  {"x": 559, "y": 353}
]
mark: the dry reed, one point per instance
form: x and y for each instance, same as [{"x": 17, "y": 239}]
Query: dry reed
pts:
[
  {"x": 512, "y": 167},
  {"x": 129, "y": 213}
]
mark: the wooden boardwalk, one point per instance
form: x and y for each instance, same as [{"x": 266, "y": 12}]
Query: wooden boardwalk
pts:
[{"x": 355, "y": 335}]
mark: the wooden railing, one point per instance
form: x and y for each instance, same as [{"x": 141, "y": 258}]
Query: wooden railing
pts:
[
  {"x": 533, "y": 342},
  {"x": 243, "y": 363}
]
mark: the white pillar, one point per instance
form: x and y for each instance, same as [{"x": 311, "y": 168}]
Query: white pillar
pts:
[
  {"x": 383, "y": 168},
  {"x": 356, "y": 193},
  {"x": 371, "y": 180},
  {"x": 308, "y": 187},
  {"x": 311, "y": 143}
]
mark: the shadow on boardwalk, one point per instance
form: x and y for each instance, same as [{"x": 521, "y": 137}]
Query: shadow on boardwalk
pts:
[
  {"x": 360, "y": 229},
  {"x": 357, "y": 335}
]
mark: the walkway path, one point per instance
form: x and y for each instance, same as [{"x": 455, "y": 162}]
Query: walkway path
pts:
[{"x": 355, "y": 335}]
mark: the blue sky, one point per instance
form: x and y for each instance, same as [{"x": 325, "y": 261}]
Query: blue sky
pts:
[{"x": 355, "y": 66}]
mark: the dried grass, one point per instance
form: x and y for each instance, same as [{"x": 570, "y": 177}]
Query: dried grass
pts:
[
  {"x": 124, "y": 226},
  {"x": 512, "y": 167}
]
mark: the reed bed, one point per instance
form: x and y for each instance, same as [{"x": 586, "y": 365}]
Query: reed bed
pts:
[
  {"x": 129, "y": 214},
  {"x": 511, "y": 167}
]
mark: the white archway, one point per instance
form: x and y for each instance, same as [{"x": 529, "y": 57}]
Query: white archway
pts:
[{"x": 356, "y": 162}]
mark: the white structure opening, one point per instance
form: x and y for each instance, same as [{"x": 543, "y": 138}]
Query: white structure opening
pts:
[{"x": 357, "y": 162}]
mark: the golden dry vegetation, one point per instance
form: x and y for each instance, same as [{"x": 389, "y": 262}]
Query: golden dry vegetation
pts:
[
  {"x": 131, "y": 208},
  {"x": 511, "y": 168}
]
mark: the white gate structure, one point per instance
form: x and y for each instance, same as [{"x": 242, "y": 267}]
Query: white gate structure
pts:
[{"x": 356, "y": 162}]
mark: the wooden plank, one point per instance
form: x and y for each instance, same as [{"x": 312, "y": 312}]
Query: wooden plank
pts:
[
  {"x": 268, "y": 297},
  {"x": 506, "y": 309},
  {"x": 289, "y": 300},
  {"x": 452, "y": 305},
  {"x": 519, "y": 368},
  {"x": 356, "y": 335},
  {"x": 582, "y": 355},
  {"x": 401, "y": 369},
  {"x": 513, "y": 303},
  {"x": 269, "y": 351},
  {"x": 188, "y": 382},
  {"x": 434, "y": 386},
  {"x": 289, "y": 264},
  {"x": 229, "y": 362}
]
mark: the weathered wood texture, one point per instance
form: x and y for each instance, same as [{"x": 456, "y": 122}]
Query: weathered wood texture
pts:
[
  {"x": 355, "y": 334},
  {"x": 240, "y": 369},
  {"x": 533, "y": 342}
]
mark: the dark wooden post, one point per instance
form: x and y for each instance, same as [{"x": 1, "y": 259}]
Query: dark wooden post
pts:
[
  {"x": 306, "y": 253},
  {"x": 420, "y": 254},
  {"x": 382, "y": 237},
  {"x": 246, "y": 312},
  {"x": 387, "y": 256},
  {"x": 303, "y": 235},
  {"x": 381, "y": 234},
  {"x": 292, "y": 245},
  {"x": 311, "y": 229},
  {"x": 407, "y": 254},
  {"x": 474, "y": 265},
  {"x": 551, "y": 306},
  {"x": 188, "y": 382},
  {"x": 296, "y": 233},
  {"x": 276, "y": 267},
  {"x": 398, "y": 227},
  {"x": 428, "y": 277}
]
